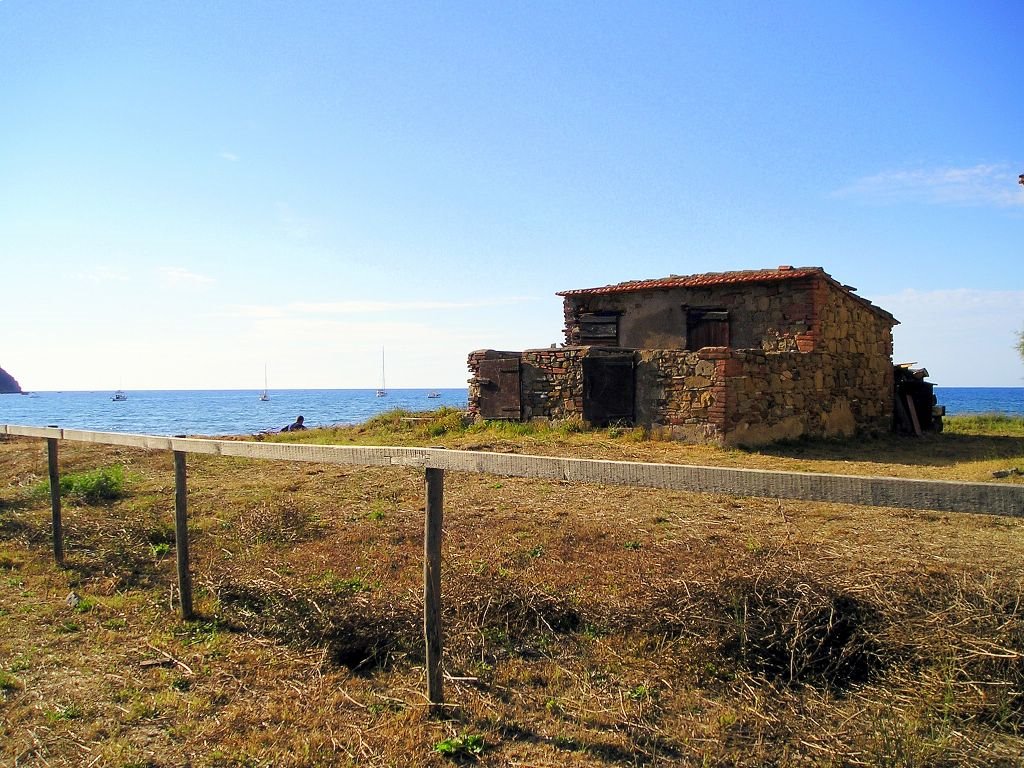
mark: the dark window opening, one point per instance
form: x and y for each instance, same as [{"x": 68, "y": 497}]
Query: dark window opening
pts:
[
  {"x": 600, "y": 328},
  {"x": 706, "y": 328}
]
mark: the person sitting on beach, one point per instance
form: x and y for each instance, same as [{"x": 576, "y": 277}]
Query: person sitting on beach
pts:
[{"x": 296, "y": 427}]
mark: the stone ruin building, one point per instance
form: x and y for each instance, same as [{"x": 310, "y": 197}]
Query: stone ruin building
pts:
[{"x": 746, "y": 357}]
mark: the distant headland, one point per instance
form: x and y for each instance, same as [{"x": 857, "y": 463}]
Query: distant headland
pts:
[{"x": 8, "y": 384}]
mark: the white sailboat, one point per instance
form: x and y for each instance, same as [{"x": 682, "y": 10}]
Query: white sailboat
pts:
[
  {"x": 264, "y": 396},
  {"x": 383, "y": 390}
]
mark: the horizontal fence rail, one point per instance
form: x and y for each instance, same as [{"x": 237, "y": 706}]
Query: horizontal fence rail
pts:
[{"x": 938, "y": 495}]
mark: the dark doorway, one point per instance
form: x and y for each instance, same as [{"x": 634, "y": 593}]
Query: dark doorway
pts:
[
  {"x": 608, "y": 390},
  {"x": 499, "y": 389}
]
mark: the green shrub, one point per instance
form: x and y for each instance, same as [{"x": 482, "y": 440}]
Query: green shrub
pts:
[
  {"x": 446, "y": 421},
  {"x": 104, "y": 484},
  {"x": 93, "y": 487}
]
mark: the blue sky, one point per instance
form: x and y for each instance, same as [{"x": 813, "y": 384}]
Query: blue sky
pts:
[{"x": 190, "y": 191}]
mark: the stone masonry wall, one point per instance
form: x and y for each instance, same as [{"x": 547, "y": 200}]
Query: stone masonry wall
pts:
[
  {"x": 552, "y": 383},
  {"x": 845, "y": 325},
  {"x": 716, "y": 395},
  {"x": 774, "y": 396},
  {"x": 821, "y": 366},
  {"x": 683, "y": 392}
]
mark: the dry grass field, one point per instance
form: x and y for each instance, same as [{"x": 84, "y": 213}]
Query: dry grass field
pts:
[{"x": 584, "y": 625}]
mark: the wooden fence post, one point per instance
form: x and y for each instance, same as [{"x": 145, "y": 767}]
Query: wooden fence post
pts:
[
  {"x": 432, "y": 584},
  {"x": 58, "y": 528},
  {"x": 181, "y": 534}
]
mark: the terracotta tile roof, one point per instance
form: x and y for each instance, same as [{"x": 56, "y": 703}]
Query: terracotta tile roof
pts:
[
  {"x": 708, "y": 278},
  {"x": 727, "y": 278}
]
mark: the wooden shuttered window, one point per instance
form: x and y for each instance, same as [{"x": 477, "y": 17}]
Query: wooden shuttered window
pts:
[
  {"x": 599, "y": 328},
  {"x": 706, "y": 327}
]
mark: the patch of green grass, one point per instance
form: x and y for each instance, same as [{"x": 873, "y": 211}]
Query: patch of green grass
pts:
[
  {"x": 381, "y": 707},
  {"x": 8, "y": 562},
  {"x": 567, "y": 743},
  {"x": 84, "y": 605},
  {"x": 572, "y": 425},
  {"x": 506, "y": 429},
  {"x": 160, "y": 533},
  {"x": 161, "y": 550},
  {"x": 198, "y": 632},
  {"x": 92, "y": 487},
  {"x": 639, "y": 693},
  {"x": 445, "y": 421},
  {"x": 181, "y": 683},
  {"x": 464, "y": 745},
  {"x": 984, "y": 424},
  {"x": 8, "y": 682},
  {"x": 378, "y": 510},
  {"x": 344, "y": 586},
  {"x": 67, "y": 712},
  {"x": 636, "y": 435}
]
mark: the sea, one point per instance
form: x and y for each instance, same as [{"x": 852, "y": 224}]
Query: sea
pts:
[
  {"x": 241, "y": 412},
  {"x": 214, "y": 411}
]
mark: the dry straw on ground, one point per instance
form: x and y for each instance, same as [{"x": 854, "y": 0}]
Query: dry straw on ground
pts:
[{"x": 584, "y": 625}]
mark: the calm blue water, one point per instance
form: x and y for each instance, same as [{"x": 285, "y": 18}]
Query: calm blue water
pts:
[
  {"x": 239, "y": 412},
  {"x": 213, "y": 412},
  {"x": 966, "y": 400}
]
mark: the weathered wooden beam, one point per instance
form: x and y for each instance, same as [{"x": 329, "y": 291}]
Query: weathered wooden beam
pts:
[
  {"x": 912, "y": 410},
  {"x": 432, "y": 527},
  {"x": 181, "y": 535},
  {"x": 54, "y": 473},
  {"x": 11, "y": 429}
]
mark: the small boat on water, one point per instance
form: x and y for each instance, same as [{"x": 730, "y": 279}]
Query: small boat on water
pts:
[
  {"x": 263, "y": 395},
  {"x": 382, "y": 391},
  {"x": 119, "y": 395},
  {"x": 433, "y": 394}
]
